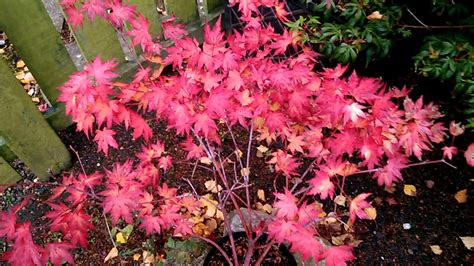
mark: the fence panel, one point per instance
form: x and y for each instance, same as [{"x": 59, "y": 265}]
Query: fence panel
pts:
[{"x": 25, "y": 130}]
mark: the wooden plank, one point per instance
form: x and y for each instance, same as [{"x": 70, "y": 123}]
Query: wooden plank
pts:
[
  {"x": 212, "y": 5},
  {"x": 98, "y": 38},
  {"x": 185, "y": 10},
  {"x": 26, "y": 131},
  {"x": 148, "y": 9},
  {"x": 30, "y": 29},
  {"x": 5, "y": 152},
  {"x": 8, "y": 176}
]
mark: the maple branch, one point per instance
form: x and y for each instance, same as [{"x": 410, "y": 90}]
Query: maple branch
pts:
[
  {"x": 214, "y": 244},
  {"x": 83, "y": 170}
]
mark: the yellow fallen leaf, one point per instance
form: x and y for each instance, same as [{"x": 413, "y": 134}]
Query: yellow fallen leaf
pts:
[
  {"x": 121, "y": 238},
  {"x": 20, "y": 75},
  {"x": 20, "y": 64},
  {"x": 112, "y": 254},
  {"x": 239, "y": 153},
  {"x": 261, "y": 194},
  {"x": 436, "y": 249},
  {"x": 409, "y": 190},
  {"x": 375, "y": 16},
  {"x": 212, "y": 186},
  {"x": 461, "y": 196},
  {"x": 28, "y": 77},
  {"x": 371, "y": 213},
  {"x": 468, "y": 241},
  {"x": 210, "y": 205}
]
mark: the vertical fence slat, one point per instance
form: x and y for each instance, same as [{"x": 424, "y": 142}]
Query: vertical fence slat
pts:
[
  {"x": 148, "y": 9},
  {"x": 185, "y": 10},
  {"x": 26, "y": 132},
  {"x": 8, "y": 176},
  {"x": 99, "y": 38},
  {"x": 30, "y": 29},
  {"x": 213, "y": 5}
]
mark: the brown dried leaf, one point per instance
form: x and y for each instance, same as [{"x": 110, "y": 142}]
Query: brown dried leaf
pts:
[
  {"x": 461, "y": 196},
  {"x": 20, "y": 63},
  {"x": 261, "y": 194},
  {"x": 212, "y": 186},
  {"x": 340, "y": 200},
  {"x": 375, "y": 16},
  {"x": 371, "y": 213}
]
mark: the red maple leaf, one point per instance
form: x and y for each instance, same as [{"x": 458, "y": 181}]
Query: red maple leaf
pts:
[
  {"x": 119, "y": 12},
  {"x": 7, "y": 224},
  {"x": 284, "y": 162},
  {"x": 119, "y": 202},
  {"x": 93, "y": 8},
  {"x": 281, "y": 230},
  {"x": 57, "y": 253},
  {"x": 194, "y": 151},
  {"x": 104, "y": 139},
  {"x": 25, "y": 251},
  {"x": 337, "y": 256},
  {"x": 469, "y": 155},
  {"x": 151, "y": 224},
  {"x": 173, "y": 31},
  {"x": 140, "y": 127}
]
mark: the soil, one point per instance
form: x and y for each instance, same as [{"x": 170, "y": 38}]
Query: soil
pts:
[{"x": 278, "y": 255}]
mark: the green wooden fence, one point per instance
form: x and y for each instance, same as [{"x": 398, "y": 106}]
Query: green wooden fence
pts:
[{"x": 27, "y": 134}]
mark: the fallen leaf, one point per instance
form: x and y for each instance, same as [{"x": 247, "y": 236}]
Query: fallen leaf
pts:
[
  {"x": 262, "y": 149},
  {"x": 268, "y": 208},
  {"x": 390, "y": 189},
  {"x": 205, "y": 160},
  {"x": 429, "y": 183},
  {"x": 261, "y": 194},
  {"x": 211, "y": 225},
  {"x": 28, "y": 77},
  {"x": 148, "y": 257},
  {"x": 136, "y": 256},
  {"x": 239, "y": 153},
  {"x": 112, "y": 254},
  {"x": 212, "y": 186},
  {"x": 375, "y": 16},
  {"x": 35, "y": 99},
  {"x": 245, "y": 171},
  {"x": 436, "y": 249},
  {"x": 19, "y": 75},
  {"x": 468, "y": 241},
  {"x": 340, "y": 200},
  {"x": 120, "y": 238},
  {"x": 20, "y": 64},
  {"x": 378, "y": 200},
  {"x": 340, "y": 240},
  {"x": 371, "y": 213},
  {"x": 461, "y": 196},
  {"x": 409, "y": 190}
]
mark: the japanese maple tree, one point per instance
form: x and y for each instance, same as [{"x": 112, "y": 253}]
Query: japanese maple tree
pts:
[{"x": 253, "y": 80}]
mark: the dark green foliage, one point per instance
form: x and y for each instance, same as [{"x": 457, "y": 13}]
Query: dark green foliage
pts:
[
  {"x": 184, "y": 251},
  {"x": 347, "y": 31}
]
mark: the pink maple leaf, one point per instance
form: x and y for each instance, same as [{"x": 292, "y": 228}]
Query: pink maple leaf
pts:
[
  {"x": 337, "y": 256},
  {"x": 286, "y": 205},
  {"x": 101, "y": 71},
  {"x": 322, "y": 185},
  {"x": 104, "y": 139},
  {"x": 74, "y": 17},
  {"x": 151, "y": 224},
  {"x": 358, "y": 206},
  {"x": 119, "y": 202}
]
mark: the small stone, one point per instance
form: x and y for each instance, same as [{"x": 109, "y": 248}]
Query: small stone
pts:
[
  {"x": 406, "y": 226},
  {"x": 98, "y": 164}
]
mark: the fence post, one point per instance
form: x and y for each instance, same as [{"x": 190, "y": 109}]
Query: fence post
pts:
[
  {"x": 25, "y": 130},
  {"x": 8, "y": 176},
  {"x": 185, "y": 10},
  {"x": 30, "y": 29}
]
